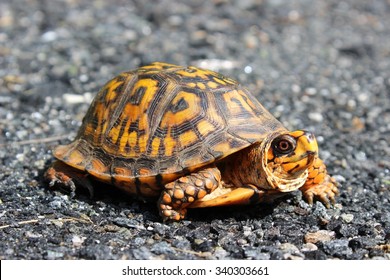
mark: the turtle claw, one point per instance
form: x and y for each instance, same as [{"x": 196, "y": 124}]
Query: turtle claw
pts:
[
  {"x": 325, "y": 192},
  {"x": 54, "y": 177},
  {"x": 319, "y": 185},
  {"x": 67, "y": 177},
  {"x": 168, "y": 214}
]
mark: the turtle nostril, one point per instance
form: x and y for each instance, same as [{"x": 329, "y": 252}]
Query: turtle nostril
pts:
[{"x": 310, "y": 136}]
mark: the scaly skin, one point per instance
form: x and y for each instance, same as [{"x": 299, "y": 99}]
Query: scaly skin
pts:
[
  {"x": 319, "y": 184},
  {"x": 178, "y": 194}
]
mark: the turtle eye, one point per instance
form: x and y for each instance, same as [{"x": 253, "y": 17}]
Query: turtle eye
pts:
[{"x": 283, "y": 145}]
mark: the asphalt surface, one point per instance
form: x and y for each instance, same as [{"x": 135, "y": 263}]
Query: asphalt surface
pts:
[{"x": 317, "y": 65}]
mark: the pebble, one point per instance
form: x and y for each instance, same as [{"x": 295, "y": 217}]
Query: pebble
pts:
[
  {"x": 315, "y": 116},
  {"x": 162, "y": 248},
  {"x": 78, "y": 240},
  {"x": 360, "y": 155},
  {"x": 347, "y": 217},
  {"x": 142, "y": 253},
  {"x": 307, "y": 247},
  {"x": 53, "y": 255},
  {"x": 338, "y": 248},
  {"x": 319, "y": 236}
]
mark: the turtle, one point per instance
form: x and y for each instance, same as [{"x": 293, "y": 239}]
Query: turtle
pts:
[{"x": 188, "y": 137}]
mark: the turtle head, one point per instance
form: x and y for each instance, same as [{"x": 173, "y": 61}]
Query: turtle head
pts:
[{"x": 287, "y": 157}]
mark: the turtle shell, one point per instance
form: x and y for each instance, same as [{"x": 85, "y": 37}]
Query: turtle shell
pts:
[{"x": 151, "y": 125}]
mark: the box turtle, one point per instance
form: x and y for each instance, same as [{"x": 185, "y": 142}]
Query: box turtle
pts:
[{"x": 189, "y": 137}]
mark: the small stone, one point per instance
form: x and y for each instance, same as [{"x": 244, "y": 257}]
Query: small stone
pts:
[
  {"x": 338, "y": 248},
  {"x": 361, "y": 156},
  {"x": 143, "y": 253},
  {"x": 138, "y": 241},
  {"x": 49, "y": 36},
  {"x": 256, "y": 254},
  {"x": 32, "y": 235},
  {"x": 311, "y": 91},
  {"x": 295, "y": 88},
  {"x": 220, "y": 253},
  {"x": 347, "y": 217},
  {"x": 55, "y": 204},
  {"x": 321, "y": 235},
  {"x": 162, "y": 248},
  {"x": 339, "y": 178},
  {"x": 308, "y": 247},
  {"x": 52, "y": 255},
  {"x": 315, "y": 116},
  {"x": 288, "y": 247},
  {"x": 77, "y": 240},
  {"x": 73, "y": 98}
]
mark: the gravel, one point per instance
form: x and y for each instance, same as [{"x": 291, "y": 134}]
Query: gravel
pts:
[{"x": 317, "y": 65}]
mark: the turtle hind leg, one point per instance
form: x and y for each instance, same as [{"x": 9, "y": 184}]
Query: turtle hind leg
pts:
[
  {"x": 320, "y": 185},
  {"x": 177, "y": 195},
  {"x": 65, "y": 175}
]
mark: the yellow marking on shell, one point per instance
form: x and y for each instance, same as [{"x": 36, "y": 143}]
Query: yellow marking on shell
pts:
[
  {"x": 151, "y": 87},
  {"x": 201, "y": 85},
  {"x": 234, "y": 108},
  {"x": 192, "y": 85},
  {"x": 222, "y": 147},
  {"x": 111, "y": 86},
  {"x": 169, "y": 143},
  {"x": 122, "y": 172},
  {"x": 133, "y": 113},
  {"x": 99, "y": 170},
  {"x": 219, "y": 81},
  {"x": 194, "y": 73},
  {"x": 75, "y": 157},
  {"x": 187, "y": 138},
  {"x": 124, "y": 139},
  {"x": 143, "y": 172},
  {"x": 204, "y": 127},
  {"x": 100, "y": 116},
  {"x": 61, "y": 150},
  {"x": 114, "y": 133},
  {"x": 158, "y": 66},
  {"x": 132, "y": 140},
  {"x": 212, "y": 85},
  {"x": 190, "y": 113},
  {"x": 171, "y": 119},
  {"x": 155, "y": 146}
]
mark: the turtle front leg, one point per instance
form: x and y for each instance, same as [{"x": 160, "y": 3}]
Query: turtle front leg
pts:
[
  {"x": 63, "y": 174},
  {"x": 319, "y": 184},
  {"x": 178, "y": 194}
]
